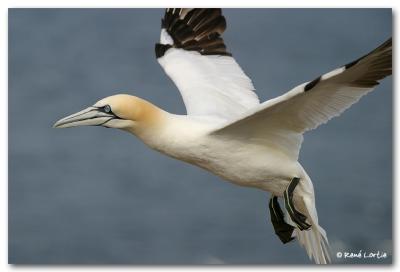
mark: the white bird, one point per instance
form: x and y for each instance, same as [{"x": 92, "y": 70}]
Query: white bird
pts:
[{"x": 227, "y": 131}]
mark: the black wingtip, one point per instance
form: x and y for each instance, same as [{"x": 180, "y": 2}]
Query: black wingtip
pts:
[
  {"x": 383, "y": 46},
  {"x": 196, "y": 30}
]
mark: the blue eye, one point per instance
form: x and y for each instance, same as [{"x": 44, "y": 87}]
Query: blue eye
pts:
[{"x": 107, "y": 109}]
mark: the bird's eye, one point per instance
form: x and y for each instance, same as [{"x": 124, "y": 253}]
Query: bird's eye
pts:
[{"x": 107, "y": 108}]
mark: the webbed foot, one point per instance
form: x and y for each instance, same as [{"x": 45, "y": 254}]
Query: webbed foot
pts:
[
  {"x": 282, "y": 229},
  {"x": 298, "y": 218}
]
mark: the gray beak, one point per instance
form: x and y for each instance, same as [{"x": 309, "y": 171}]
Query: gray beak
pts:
[{"x": 91, "y": 116}]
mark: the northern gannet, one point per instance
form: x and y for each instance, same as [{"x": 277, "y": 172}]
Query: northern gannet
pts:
[{"x": 227, "y": 131}]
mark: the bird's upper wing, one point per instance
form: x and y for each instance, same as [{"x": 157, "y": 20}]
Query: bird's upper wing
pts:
[
  {"x": 280, "y": 122},
  {"x": 194, "y": 56}
]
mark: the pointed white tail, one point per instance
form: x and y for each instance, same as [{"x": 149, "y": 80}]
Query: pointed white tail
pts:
[
  {"x": 314, "y": 240},
  {"x": 315, "y": 243}
]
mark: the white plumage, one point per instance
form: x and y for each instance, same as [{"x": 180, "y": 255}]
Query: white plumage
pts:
[
  {"x": 227, "y": 131},
  {"x": 210, "y": 85}
]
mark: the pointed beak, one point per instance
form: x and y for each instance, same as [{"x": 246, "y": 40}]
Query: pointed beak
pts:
[{"x": 91, "y": 116}]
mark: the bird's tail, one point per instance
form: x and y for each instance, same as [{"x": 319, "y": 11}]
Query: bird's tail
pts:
[
  {"x": 315, "y": 243},
  {"x": 314, "y": 240}
]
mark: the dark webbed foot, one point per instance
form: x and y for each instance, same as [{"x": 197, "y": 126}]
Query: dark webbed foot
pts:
[
  {"x": 282, "y": 229},
  {"x": 298, "y": 218}
]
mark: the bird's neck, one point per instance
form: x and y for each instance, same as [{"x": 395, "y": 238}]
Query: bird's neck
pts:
[
  {"x": 148, "y": 120},
  {"x": 166, "y": 132}
]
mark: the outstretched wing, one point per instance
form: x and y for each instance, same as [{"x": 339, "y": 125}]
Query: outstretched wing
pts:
[
  {"x": 194, "y": 56},
  {"x": 280, "y": 122}
]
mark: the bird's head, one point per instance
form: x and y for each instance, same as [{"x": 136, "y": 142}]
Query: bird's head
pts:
[{"x": 118, "y": 111}]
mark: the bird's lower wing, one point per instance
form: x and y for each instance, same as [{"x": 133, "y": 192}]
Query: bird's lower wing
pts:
[{"x": 280, "y": 122}]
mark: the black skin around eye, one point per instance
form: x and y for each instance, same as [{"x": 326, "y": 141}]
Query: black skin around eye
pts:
[{"x": 107, "y": 109}]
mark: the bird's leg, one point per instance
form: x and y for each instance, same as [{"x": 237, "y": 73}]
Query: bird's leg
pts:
[
  {"x": 298, "y": 218},
  {"x": 282, "y": 229}
]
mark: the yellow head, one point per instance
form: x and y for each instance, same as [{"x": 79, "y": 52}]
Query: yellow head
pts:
[{"x": 118, "y": 111}]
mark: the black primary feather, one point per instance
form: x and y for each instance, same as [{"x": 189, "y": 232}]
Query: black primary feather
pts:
[{"x": 194, "y": 30}]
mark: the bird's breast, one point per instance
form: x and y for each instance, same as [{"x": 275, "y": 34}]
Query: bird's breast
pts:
[{"x": 235, "y": 161}]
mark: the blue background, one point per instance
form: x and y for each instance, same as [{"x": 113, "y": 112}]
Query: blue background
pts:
[{"x": 95, "y": 195}]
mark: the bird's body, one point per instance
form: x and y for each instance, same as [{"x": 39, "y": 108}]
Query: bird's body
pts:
[
  {"x": 254, "y": 165},
  {"x": 227, "y": 131}
]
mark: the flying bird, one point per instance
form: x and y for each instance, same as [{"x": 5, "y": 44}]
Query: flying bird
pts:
[{"x": 227, "y": 131}]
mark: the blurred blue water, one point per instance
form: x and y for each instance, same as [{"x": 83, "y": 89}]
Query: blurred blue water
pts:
[{"x": 95, "y": 195}]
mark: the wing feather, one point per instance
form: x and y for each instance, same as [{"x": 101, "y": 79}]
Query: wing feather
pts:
[
  {"x": 280, "y": 122},
  {"x": 193, "y": 54}
]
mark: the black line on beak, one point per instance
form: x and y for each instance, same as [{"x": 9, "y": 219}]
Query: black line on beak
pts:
[
  {"x": 111, "y": 118},
  {"x": 102, "y": 109},
  {"x": 80, "y": 114}
]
